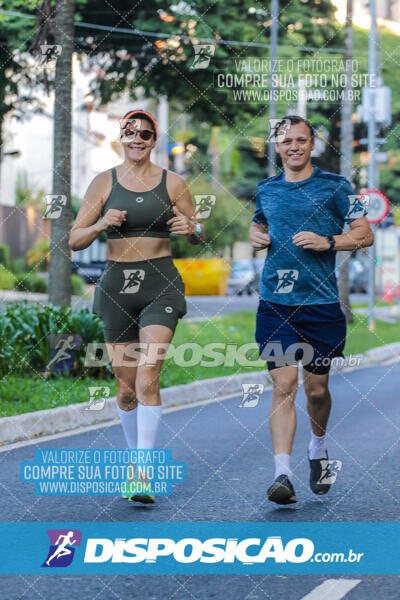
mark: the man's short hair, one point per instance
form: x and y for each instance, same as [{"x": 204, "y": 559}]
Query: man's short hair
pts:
[{"x": 294, "y": 120}]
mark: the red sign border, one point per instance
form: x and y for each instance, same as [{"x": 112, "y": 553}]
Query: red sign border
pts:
[{"x": 386, "y": 199}]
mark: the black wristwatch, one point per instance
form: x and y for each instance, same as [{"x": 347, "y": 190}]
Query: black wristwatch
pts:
[{"x": 331, "y": 242}]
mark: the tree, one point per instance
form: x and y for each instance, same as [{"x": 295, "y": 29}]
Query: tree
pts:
[
  {"x": 17, "y": 79},
  {"x": 346, "y": 156},
  {"x": 164, "y": 65},
  {"x": 60, "y": 263}
]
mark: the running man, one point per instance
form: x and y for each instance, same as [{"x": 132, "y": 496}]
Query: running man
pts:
[
  {"x": 300, "y": 215},
  {"x": 140, "y": 296},
  {"x": 62, "y": 549}
]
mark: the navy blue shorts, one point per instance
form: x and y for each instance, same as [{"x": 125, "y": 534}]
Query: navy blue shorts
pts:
[{"x": 313, "y": 333}]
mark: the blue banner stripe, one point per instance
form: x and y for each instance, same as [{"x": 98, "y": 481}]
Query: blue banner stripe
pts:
[{"x": 200, "y": 547}]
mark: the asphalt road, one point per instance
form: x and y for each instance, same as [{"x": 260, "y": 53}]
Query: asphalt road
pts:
[{"x": 229, "y": 467}]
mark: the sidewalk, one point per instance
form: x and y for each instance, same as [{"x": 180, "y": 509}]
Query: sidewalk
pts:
[
  {"x": 389, "y": 314},
  {"x": 13, "y": 296}
]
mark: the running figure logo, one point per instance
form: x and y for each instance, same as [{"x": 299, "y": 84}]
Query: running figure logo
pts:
[
  {"x": 358, "y": 204},
  {"x": 50, "y": 52},
  {"x": 129, "y": 128},
  {"x": 54, "y": 206},
  {"x": 133, "y": 279},
  {"x": 204, "y": 204},
  {"x": 330, "y": 471},
  {"x": 275, "y": 125},
  {"x": 286, "y": 280},
  {"x": 62, "y": 547},
  {"x": 98, "y": 397},
  {"x": 251, "y": 394},
  {"x": 202, "y": 55},
  {"x": 62, "y": 351}
]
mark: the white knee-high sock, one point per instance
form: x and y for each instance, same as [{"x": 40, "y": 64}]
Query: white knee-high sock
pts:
[
  {"x": 282, "y": 465},
  {"x": 317, "y": 446},
  {"x": 148, "y": 419},
  {"x": 128, "y": 420}
]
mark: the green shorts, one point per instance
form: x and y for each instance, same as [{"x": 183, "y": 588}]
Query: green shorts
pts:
[{"x": 132, "y": 295}]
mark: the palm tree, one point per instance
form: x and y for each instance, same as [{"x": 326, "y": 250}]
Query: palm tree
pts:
[
  {"x": 346, "y": 155},
  {"x": 60, "y": 262}
]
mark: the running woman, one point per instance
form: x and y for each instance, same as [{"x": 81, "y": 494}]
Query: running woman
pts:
[
  {"x": 140, "y": 296},
  {"x": 300, "y": 215}
]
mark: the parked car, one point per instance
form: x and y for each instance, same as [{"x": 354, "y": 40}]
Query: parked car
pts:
[
  {"x": 90, "y": 272},
  {"x": 358, "y": 274},
  {"x": 243, "y": 278}
]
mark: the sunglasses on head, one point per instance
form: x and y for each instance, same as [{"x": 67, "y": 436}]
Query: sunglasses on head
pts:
[{"x": 144, "y": 134}]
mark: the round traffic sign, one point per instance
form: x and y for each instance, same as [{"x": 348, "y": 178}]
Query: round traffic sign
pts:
[{"x": 377, "y": 205}]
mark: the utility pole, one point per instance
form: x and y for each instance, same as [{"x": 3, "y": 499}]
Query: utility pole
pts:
[
  {"x": 273, "y": 57},
  {"x": 372, "y": 71},
  {"x": 346, "y": 154},
  {"x": 163, "y": 127}
]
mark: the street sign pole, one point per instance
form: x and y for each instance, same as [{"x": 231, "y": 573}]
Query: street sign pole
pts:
[{"x": 372, "y": 163}]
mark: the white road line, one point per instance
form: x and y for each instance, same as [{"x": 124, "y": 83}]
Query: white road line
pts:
[
  {"x": 332, "y": 589},
  {"x": 70, "y": 432}
]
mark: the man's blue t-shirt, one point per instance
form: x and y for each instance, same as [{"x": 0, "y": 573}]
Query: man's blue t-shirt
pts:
[{"x": 323, "y": 203}]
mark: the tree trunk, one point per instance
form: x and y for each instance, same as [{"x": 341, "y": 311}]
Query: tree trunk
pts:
[
  {"x": 346, "y": 157},
  {"x": 60, "y": 259}
]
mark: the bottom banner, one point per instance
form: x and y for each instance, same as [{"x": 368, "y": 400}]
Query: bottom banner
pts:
[{"x": 200, "y": 547}]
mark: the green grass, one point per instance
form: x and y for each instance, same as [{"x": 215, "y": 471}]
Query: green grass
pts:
[
  {"x": 20, "y": 394},
  {"x": 360, "y": 339}
]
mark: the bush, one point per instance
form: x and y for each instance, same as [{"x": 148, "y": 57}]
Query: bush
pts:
[
  {"x": 78, "y": 285},
  {"x": 28, "y": 282},
  {"x": 24, "y": 331},
  {"x": 19, "y": 265},
  {"x": 6, "y": 278},
  {"x": 5, "y": 256},
  {"x": 38, "y": 255}
]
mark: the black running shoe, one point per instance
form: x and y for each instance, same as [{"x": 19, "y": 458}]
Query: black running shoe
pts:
[
  {"x": 281, "y": 491},
  {"x": 319, "y": 468}
]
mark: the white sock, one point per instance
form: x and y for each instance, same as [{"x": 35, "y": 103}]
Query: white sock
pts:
[
  {"x": 282, "y": 465},
  {"x": 129, "y": 425},
  {"x": 317, "y": 446},
  {"x": 148, "y": 419}
]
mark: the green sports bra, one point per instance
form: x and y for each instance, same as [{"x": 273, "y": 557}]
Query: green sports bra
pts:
[{"x": 147, "y": 212}]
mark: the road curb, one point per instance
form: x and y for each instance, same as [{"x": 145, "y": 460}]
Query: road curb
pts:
[{"x": 64, "y": 418}]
